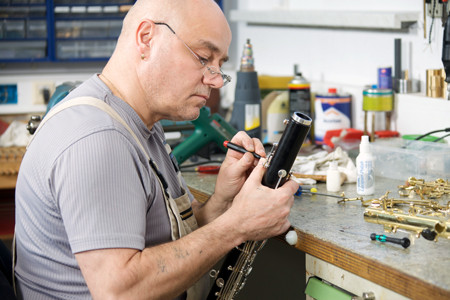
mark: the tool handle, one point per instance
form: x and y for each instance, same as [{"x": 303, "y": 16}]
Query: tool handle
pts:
[
  {"x": 405, "y": 242},
  {"x": 312, "y": 176},
  {"x": 230, "y": 145}
]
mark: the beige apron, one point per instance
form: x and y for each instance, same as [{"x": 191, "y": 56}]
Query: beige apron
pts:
[{"x": 181, "y": 216}]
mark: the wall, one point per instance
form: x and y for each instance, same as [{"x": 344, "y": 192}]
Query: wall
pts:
[
  {"x": 329, "y": 57},
  {"x": 344, "y": 58},
  {"x": 26, "y": 76}
]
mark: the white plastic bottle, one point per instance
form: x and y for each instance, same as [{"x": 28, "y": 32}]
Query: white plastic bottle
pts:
[
  {"x": 365, "y": 183},
  {"x": 333, "y": 178}
]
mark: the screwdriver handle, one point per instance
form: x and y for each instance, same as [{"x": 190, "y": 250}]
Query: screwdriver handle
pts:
[{"x": 405, "y": 242}]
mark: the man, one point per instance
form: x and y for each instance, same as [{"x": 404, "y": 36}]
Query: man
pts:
[{"x": 94, "y": 215}]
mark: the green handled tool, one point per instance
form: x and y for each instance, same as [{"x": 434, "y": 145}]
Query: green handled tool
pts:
[
  {"x": 208, "y": 128},
  {"x": 405, "y": 242}
]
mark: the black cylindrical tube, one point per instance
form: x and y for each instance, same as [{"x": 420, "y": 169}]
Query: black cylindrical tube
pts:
[{"x": 288, "y": 147}]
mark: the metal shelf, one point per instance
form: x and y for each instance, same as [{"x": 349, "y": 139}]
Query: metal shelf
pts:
[
  {"x": 382, "y": 20},
  {"x": 51, "y": 49},
  {"x": 14, "y": 109}
]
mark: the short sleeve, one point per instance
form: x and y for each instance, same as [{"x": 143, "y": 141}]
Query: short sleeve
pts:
[{"x": 99, "y": 186}]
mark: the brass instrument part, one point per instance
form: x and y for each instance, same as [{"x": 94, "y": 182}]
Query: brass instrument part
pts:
[
  {"x": 424, "y": 217},
  {"x": 431, "y": 189},
  {"x": 363, "y": 203},
  {"x": 393, "y": 220}
]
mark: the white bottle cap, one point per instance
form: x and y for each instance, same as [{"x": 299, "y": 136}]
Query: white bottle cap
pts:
[{"x": 364, "y": 146}]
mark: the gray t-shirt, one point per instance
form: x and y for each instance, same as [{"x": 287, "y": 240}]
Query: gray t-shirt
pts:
[{"x": 84, "y": 184}]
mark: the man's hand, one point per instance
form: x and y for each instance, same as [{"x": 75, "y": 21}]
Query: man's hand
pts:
[
  {"x": 233, "y": 173},
  {"x": 260, "y": 212},
  {"x": 237, "y": 167}
]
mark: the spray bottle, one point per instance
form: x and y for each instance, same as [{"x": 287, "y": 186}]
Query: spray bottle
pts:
[
  {"x": 365, "y": 183},
  {"x": 300, "y": 96},
  {"x": 247, "y": 100}
]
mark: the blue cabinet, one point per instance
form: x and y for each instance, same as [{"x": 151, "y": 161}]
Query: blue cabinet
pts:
[{"x": 59, "y": 30}]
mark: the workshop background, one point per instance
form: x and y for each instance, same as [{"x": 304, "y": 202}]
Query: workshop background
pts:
[{"x": 336, "y": 44}]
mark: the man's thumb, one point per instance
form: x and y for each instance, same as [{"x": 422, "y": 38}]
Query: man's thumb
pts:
[{"x": 258, "y": 172}]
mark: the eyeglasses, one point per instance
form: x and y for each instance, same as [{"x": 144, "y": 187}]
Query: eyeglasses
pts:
[{"x": 213, "y": 71}]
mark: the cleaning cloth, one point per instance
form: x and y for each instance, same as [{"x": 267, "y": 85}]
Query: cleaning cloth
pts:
[{"x": 318, "y": 164}]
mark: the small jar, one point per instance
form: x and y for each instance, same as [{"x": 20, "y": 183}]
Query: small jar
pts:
[{"x": 333, "y": 178}]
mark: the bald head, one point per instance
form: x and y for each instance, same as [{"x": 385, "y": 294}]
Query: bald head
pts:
[
  {"x": 201, "y": 20},
  {"x": 150, "y": 57},
  {"x": 178, "y": 13}
]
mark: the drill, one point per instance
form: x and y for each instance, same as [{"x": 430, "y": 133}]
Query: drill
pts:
[{"x": 247, "y": 112}]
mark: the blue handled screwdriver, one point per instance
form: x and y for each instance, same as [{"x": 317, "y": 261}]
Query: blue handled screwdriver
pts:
[{"x": 313, "y": 191}]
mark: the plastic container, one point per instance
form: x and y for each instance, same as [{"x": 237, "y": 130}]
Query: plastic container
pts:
[
  {"x": 398, "y": 158},
  {"x": 95, "y": 29},
  {"x": 115, "y": 26},
  {"x": 333, "y": 178},
  {"x": 365, "y": 168},
  {"x": 277, "y": 112},
  {"x": 332, "y": 111},
  {"x": 68, "y": 29},
  {"x": 14, "y": 29},
  {"x": 23, "y": 50},
  {"x": 36, "y": 29}
]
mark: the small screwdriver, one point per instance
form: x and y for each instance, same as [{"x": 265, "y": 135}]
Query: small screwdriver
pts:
[
  {"x": 230, "y": 145},
  {"x": 313, "y": 191},
  {"x": 405, "y": 242},
  {"x": 301, "y": 190}
]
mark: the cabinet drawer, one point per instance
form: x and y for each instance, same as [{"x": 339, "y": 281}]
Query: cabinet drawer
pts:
[{"x": 84, "y": 49}]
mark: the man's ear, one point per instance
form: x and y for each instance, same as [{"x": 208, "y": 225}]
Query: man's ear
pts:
[{"x": 144, "y": 34}]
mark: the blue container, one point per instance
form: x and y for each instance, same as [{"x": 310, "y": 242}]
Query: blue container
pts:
[
  {"x": 8, "y": 94},
  {"x": 385, "y": 78}
]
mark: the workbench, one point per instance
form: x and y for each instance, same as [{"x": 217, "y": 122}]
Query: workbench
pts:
[{"x": 336, "y": 240}]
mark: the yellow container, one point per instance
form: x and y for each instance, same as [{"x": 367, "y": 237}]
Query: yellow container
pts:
[{"x": 378, "y": 100}]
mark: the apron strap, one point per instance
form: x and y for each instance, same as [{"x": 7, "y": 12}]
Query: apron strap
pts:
[{"x": 93, "y": 102}]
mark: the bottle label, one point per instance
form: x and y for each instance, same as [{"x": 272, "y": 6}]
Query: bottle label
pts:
[
  {"x": 252, "y": 116},
  {"x": 366, "y": 176},
  {"x": 299, "y": 100},
  {"x": 331, "y": 112}
]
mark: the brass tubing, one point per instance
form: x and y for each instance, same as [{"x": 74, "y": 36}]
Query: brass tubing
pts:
[{"x": 393, "y": 220}]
